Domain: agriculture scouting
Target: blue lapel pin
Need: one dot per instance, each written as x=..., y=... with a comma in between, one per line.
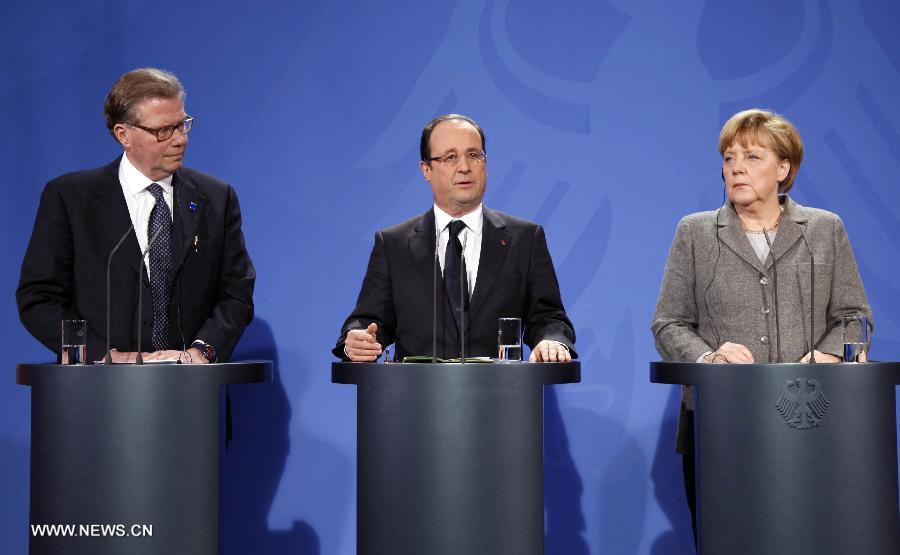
x=192, y=206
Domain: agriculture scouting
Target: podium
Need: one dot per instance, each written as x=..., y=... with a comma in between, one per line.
x=794, y=458
x=450, y=456
x=128, y=456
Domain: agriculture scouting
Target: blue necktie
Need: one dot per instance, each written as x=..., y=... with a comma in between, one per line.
x=160, y=267
x=453, y=261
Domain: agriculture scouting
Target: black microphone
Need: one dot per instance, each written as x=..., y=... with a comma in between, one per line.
x=775, y=287
x=435, y=268
x=107, y=358
x=139, y=359
x=812, y=298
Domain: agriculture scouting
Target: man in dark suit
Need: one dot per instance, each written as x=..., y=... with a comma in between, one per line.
x=506, y=267
x=197, y=276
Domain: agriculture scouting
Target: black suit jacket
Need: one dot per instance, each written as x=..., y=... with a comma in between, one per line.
x=81, y=217
x=515, y=279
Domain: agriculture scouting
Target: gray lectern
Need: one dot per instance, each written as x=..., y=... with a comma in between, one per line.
x=128, y=455
x=450, y=456
x=794, y=458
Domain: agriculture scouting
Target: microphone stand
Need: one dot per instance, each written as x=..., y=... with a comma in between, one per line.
x=435, y=268
x=775, y=287
x=139, y=358
x=463, y=295
x=107, y=358
x=812, y=299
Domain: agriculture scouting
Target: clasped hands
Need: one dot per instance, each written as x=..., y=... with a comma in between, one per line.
x=736, y=353
x=363, y=346
x=190, y=356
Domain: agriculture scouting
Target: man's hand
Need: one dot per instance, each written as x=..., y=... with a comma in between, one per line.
x=119, y=357
x=550, y=351
x=191, y=356
x=361, y=345
x=194, y=356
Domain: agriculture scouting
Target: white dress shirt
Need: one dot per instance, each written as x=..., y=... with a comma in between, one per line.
x=139, y=200
x=470, y=237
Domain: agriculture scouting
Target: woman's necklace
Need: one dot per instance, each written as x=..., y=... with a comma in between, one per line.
x=760, y=231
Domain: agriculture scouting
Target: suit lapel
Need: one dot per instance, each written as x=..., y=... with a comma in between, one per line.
x=422, y=243
x=495, y=244
x=789, y=232
x=188, y=211
x=732, y=234
x=112, y=215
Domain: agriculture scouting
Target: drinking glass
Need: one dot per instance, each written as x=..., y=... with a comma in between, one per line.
x=856, y=337
x=74, y=341
x=509, y=339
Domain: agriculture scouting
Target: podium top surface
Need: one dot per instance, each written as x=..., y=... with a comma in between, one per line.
x=700, y=373
x=513, y=373
x=246, y=371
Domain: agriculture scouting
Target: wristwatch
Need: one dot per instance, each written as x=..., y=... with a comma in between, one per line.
x=207, y=350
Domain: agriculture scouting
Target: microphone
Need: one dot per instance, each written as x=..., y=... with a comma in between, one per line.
x=812, y=298
x=775, y=287
x=139, y=359
x=107, y=358
x=435, y=268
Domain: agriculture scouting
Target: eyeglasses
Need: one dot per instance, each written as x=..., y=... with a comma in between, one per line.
x=452, y=160
x=165, y=133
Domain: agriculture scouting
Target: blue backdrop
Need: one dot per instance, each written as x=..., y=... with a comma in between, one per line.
x=602, y=119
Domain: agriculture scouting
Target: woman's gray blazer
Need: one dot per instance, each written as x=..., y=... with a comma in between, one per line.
x=715, y=289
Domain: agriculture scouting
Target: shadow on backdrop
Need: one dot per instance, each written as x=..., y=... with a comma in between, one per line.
x=614, y=481
x=563, y=488
x=622, y=488
x=668, y=485
x=14, y=496
x=255, y=459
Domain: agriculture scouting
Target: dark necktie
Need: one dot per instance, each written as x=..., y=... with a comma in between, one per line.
x=453, y=262
x=160, y=266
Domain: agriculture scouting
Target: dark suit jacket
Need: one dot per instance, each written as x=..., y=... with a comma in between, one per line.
x=81, y=217
x=515, y=279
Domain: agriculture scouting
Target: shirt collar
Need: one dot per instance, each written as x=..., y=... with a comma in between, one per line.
x=473, y=219
x=134, y=182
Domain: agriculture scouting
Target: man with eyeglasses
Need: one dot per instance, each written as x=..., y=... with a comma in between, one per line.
x=196, y=274
x=491, y=265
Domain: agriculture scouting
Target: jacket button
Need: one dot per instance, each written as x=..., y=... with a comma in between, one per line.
x=764, y=339
x=765, y=310
x=148, y=323
x=764, y=280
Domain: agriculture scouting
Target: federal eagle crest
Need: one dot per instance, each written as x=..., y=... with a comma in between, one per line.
x=802, y=403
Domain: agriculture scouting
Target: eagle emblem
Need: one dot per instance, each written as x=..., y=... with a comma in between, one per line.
x=802, y=403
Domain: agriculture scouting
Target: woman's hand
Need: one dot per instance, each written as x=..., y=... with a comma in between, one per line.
x=825, y=357
x=730, y=353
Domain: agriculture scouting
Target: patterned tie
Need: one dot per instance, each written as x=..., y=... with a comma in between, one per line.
x=160, y=266
x=452, y=263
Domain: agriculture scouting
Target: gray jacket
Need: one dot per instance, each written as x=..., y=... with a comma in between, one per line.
x=715, y=289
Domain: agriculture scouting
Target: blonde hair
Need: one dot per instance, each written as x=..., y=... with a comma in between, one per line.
x=767, y=129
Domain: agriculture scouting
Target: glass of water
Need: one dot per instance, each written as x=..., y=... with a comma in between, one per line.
x=74, y=341
x=509, y=339
x=856, y=337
